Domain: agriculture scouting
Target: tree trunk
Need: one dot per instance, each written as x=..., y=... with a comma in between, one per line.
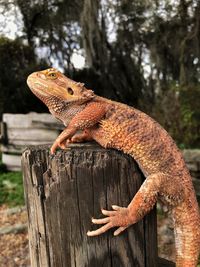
x=94, y=36
x=64, y=191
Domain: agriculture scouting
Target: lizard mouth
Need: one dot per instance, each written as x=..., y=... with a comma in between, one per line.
x=37, y=87
x=30, y=81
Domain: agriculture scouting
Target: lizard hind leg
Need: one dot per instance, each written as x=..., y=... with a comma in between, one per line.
x=142, y=203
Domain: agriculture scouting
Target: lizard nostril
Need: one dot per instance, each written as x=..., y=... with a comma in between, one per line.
x=41, y=75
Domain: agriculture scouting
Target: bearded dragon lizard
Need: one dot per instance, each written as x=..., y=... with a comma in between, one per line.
x=116, y=125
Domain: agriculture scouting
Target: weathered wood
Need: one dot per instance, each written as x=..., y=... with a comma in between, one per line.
x=12, y=162
x=27, y=120
x=63, y=192
x=13, y=149
x=20, y=130
x=32, y=134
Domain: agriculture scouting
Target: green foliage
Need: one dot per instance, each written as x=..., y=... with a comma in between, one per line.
x=177, y=110
x=190, y=115
x=11, y=189
x=17, y=62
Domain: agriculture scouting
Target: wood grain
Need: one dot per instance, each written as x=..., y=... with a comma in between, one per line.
x=63, y=193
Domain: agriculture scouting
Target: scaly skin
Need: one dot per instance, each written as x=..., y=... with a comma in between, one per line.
x=119, y=126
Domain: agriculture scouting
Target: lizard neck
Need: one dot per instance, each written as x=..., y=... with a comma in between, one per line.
x=63, y=110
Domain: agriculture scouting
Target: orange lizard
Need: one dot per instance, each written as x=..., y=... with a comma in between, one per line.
x=115, y=125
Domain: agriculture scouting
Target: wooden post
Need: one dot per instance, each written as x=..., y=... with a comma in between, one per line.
x=63, y=192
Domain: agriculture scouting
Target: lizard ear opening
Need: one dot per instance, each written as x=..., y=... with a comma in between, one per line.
x=70, y=91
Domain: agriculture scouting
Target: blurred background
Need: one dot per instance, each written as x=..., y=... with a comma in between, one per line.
x=143, y=53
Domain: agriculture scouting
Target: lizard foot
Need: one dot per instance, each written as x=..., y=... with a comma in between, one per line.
x=77, y=138
x=82, y=137
x=118, y=217
x=61, y=145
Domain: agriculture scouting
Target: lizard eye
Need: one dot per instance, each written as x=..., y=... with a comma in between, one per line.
x=70, y=91
x=52, y=75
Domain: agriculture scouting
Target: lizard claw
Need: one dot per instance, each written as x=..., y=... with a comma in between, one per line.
x=62, y=145
x=119, y=230
x=53, y=148
x=119, y=216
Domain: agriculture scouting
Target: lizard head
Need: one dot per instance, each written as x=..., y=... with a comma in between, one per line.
x=53, y=87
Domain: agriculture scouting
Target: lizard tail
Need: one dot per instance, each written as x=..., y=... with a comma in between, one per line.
x=187, y=234
x=186, y=263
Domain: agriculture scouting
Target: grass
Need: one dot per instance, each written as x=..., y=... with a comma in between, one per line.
x=11, y=187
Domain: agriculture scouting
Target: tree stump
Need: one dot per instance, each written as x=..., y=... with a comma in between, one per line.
x=64, y=191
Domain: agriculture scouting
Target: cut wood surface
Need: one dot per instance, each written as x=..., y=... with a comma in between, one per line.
x=63, y=192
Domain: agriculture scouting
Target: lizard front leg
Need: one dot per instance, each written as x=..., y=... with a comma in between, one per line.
x=66, y=134
x=85, y=119
x=141, y=204
x=77, y=138
x=82, y=137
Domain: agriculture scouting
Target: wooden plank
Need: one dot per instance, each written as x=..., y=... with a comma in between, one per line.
x=29, y=142
x=18, y=146
x=63, y=193
x=12, y=149
x=12, y=162
x=25, y=129
x=27, y=120
x=31, y=134
x=49, y=125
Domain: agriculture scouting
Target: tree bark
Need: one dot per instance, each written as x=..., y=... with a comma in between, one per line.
x=94, y=36
x=63, y=192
